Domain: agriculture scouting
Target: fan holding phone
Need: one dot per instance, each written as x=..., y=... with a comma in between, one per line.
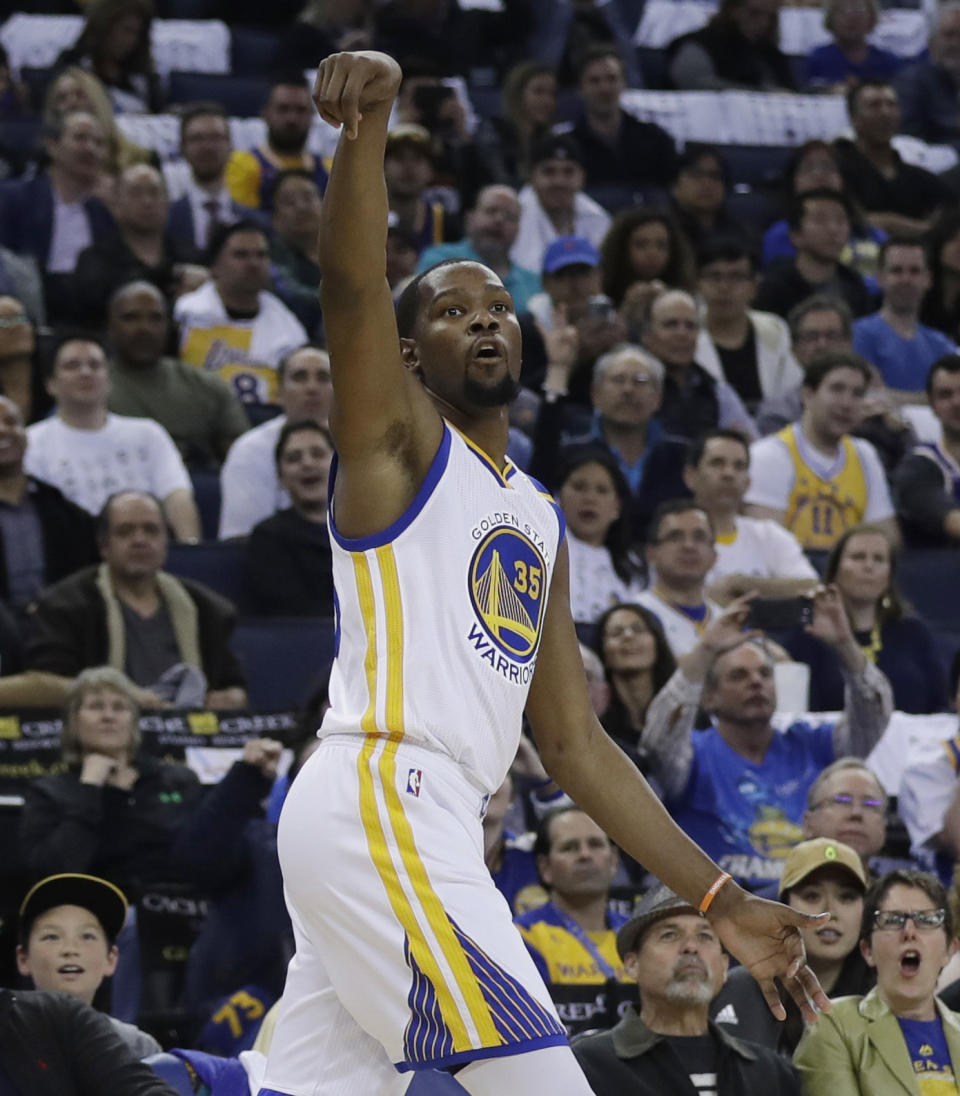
x=863, y=566
x=740, y=786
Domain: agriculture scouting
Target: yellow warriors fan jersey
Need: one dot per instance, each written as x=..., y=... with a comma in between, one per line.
x=439, y=617
x=819, y=510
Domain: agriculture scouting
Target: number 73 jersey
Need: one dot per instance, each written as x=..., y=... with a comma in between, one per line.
x=439, y=617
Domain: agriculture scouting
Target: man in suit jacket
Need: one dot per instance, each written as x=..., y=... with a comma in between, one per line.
x=205, y=145
x=55, y=215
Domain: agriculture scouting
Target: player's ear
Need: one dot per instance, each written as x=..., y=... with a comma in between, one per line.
x=410, y=356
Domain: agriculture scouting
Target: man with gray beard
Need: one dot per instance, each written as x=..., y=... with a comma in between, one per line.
x=669, y=1044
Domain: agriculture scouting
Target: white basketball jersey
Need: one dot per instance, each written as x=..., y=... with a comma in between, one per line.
x=439, y=616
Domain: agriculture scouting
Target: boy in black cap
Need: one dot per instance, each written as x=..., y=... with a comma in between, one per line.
x=68, y=928
x=553, y=204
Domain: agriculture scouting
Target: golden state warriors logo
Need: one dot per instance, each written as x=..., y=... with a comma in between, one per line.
x=507, y=581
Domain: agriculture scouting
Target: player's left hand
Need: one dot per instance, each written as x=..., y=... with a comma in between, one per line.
x=765, y=937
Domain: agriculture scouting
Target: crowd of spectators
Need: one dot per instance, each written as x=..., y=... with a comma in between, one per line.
x=746, y=403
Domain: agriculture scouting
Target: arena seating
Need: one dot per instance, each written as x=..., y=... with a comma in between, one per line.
x=281, y=657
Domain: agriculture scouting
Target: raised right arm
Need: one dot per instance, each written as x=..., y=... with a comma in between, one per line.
x=386, y=429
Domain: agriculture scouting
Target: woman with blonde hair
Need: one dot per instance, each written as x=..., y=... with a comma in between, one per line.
x=528, y=110
x=76, y=89
x=114, y=812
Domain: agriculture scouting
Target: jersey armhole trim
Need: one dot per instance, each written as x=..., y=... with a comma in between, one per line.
x=386, y=536
x=549, y=497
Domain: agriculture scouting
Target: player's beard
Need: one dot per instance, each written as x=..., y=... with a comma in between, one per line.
x=500, y=394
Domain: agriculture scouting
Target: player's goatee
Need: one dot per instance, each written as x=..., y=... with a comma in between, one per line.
x=485, y=395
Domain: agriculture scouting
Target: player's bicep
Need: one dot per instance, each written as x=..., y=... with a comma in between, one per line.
x=374, y=393
x=558, y=705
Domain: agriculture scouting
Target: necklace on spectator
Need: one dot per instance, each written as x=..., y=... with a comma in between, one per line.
x=874, y=646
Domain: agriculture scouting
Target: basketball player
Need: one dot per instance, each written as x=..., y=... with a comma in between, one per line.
x=453, y=616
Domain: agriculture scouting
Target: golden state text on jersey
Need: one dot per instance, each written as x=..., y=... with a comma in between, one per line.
x=440, y=615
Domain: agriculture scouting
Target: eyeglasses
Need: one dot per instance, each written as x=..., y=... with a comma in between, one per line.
x=867, y=803
x=13, y=319
x=894, y=920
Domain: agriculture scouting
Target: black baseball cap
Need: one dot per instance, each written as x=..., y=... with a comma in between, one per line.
x=556, y=146
x=106, y=901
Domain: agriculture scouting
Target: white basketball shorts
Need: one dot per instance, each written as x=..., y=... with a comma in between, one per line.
x=407, y=957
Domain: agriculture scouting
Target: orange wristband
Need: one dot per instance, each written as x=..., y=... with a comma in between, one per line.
x=714, y=890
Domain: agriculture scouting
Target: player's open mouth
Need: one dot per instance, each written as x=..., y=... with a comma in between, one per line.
x=488, y=349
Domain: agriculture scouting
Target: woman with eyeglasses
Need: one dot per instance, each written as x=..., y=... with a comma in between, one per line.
x=899, y=1038
x=862, y=564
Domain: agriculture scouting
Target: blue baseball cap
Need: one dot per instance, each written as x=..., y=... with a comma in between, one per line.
x=569, y=251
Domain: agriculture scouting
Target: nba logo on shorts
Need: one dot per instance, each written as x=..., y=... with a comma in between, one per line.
x=413, y=782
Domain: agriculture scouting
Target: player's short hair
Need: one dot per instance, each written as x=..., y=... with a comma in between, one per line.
x=408, y=303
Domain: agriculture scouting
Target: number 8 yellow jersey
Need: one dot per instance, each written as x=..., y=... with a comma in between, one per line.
x=439, y=616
